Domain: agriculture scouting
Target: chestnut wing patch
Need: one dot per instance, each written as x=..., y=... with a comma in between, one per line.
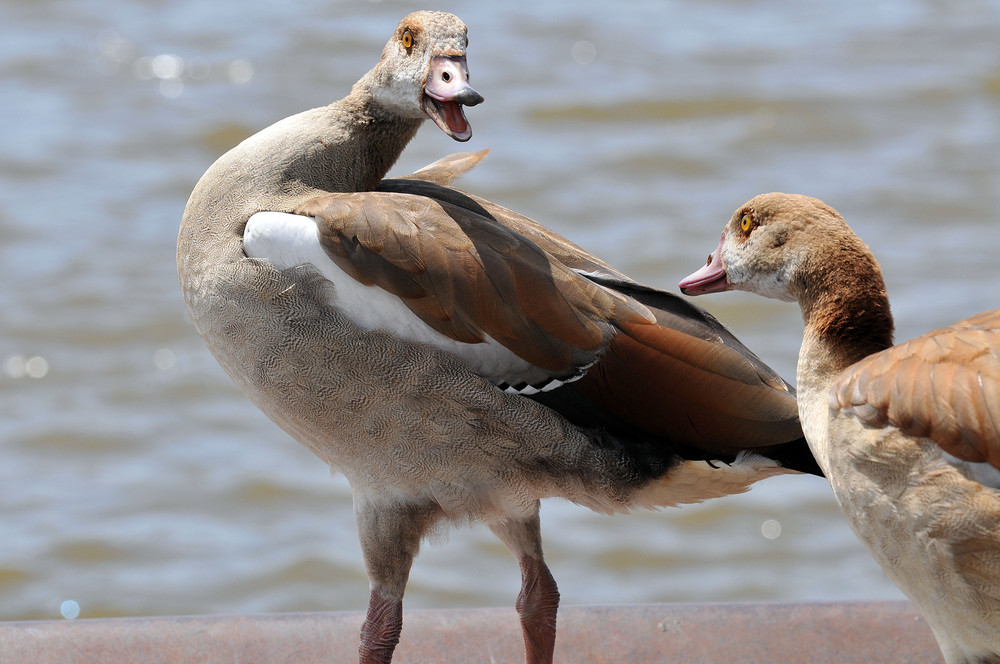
x=944, y=385
x=688, y=379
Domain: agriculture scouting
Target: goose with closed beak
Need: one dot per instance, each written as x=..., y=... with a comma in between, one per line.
x=908, y=435
x=454, y=360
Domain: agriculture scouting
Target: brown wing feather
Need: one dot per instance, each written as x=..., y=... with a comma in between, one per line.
x=693, y=386
x=944, y=385
x=566, y=252
x=466, y=275
x=447, y=169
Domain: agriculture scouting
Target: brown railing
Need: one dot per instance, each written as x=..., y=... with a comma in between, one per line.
x=841, y=633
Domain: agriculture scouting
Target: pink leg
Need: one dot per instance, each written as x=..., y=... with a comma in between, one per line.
x=390, y=538
x=537, y=605
x=380, y=633
x=538, y=600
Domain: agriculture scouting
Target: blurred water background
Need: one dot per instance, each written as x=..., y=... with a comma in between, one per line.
x=136, y=480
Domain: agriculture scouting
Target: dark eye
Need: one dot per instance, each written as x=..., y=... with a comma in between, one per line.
x=407, y=39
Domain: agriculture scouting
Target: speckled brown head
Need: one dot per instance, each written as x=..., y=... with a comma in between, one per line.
x=797, y=248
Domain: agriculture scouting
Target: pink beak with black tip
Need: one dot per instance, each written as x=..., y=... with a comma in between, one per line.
x=709, y=279
x=446, y=91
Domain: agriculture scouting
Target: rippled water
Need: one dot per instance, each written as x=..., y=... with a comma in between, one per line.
x=136, y=480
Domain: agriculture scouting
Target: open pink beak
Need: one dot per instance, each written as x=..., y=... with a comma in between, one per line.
x=446, y=91
x=709, y=279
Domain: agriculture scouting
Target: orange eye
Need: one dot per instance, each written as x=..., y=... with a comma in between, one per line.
x=746, y=223
x=407, y=40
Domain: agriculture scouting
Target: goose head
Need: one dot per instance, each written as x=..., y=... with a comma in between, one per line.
x=423, y=73
x=768, y=247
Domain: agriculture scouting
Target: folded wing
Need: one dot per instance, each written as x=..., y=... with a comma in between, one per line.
x=623, y=356
x=944, y=386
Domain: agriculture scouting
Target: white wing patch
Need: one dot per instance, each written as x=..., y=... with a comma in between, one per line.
x=290, y=240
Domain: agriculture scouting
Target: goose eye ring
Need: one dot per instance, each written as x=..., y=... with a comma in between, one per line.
x=407, y=39
x=746, y=224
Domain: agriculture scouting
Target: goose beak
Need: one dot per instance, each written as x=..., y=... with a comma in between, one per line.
x=446, y=91
x=711, y=278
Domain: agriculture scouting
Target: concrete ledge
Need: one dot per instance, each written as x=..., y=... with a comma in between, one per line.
x=840, y=633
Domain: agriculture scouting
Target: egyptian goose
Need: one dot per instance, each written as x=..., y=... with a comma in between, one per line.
x=908, y=435
x=454, y=360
